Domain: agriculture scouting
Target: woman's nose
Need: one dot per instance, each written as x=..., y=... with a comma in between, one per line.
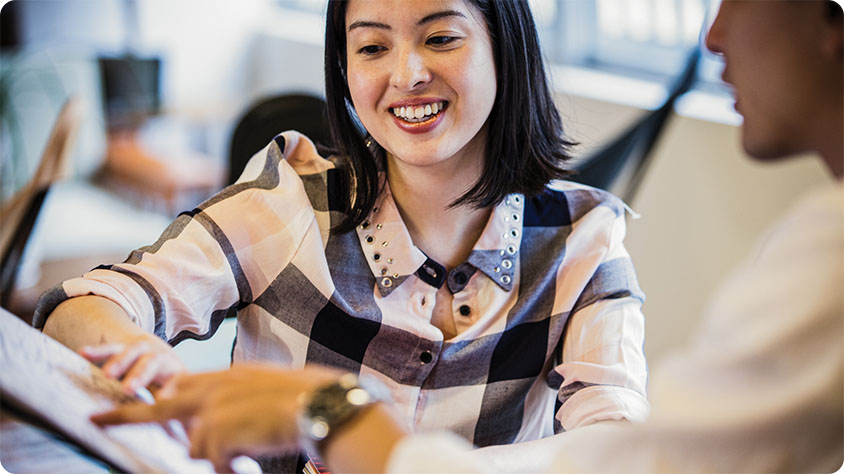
x=409, y=71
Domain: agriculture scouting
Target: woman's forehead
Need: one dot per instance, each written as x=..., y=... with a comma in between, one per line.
x=397, y=12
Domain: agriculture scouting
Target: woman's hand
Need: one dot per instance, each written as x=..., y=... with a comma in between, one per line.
x=141, y=361
x=247, y=410
x=102, y=332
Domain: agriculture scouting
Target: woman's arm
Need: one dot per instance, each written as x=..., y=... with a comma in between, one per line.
x=603, y=372
x=102, y=332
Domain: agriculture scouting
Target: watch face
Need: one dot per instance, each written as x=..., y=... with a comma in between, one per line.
x=318, y=429
x=331, y=406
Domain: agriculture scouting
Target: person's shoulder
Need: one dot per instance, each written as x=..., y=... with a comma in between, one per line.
x=817, y=209
x=812, y=229
x=824, y=200
x=565, y=202
x=301, y=154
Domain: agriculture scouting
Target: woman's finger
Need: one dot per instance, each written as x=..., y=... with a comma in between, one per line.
x=117, y=365
x=97, y=354
x=142, y=373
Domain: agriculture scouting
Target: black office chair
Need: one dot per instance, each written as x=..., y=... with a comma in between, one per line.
x=271, y=116
x=632, y=148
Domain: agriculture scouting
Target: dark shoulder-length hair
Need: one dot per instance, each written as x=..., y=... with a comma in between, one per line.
x=525, y=146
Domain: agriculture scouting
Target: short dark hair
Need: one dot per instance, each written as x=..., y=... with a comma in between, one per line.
x=525, y=145
x=834, y=9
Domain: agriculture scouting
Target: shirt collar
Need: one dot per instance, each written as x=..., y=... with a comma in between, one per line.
x=497, y=248
x=392, y=257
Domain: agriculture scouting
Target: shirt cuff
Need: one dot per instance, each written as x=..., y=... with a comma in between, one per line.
x=602, y=402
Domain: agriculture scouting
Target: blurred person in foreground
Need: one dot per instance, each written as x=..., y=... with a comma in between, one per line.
x=761, y=388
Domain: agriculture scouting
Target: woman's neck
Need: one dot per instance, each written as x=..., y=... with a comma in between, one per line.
x=423, y=196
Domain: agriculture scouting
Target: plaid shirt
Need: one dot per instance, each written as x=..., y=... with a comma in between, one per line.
x=547, y=306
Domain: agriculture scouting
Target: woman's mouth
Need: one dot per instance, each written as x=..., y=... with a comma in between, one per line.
x=419, y=113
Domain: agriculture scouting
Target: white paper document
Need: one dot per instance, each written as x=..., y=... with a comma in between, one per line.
x=42, y=377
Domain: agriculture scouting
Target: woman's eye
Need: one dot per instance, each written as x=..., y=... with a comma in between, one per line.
x=441, y=40
x=371, y=50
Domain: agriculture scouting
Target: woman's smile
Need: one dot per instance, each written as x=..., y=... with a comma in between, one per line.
x=418, y=113
x=420, y=118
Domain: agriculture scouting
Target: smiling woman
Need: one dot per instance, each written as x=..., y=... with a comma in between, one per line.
x=442, y=60
x=429, y=252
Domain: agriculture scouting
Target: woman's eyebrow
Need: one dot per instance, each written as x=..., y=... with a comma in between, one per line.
x=368, y=24
x=438, y=15
x=427, y=19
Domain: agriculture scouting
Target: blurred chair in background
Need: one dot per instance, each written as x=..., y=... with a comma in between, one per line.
x=271, y=116
x=20, y=212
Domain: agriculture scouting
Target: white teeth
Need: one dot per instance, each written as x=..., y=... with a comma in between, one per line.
x=418, y=114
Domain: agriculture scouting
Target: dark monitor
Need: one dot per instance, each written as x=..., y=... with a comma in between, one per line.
x=130, y=89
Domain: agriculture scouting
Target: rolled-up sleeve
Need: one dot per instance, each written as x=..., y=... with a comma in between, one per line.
x=603, y=372
x=210, y=260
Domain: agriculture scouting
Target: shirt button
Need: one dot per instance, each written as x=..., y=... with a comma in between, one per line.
x=426, y=357
x=465, y=310
x=460, y=278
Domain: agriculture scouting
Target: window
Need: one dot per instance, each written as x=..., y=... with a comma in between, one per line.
x=308, y=6
x=648, y=39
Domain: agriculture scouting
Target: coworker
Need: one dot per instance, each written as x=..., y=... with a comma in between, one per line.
x=431, y=254
x=761, y=387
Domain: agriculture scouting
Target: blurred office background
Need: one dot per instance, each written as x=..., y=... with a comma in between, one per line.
x=164, y=84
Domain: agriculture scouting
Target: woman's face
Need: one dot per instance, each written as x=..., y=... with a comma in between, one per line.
x=422, y=77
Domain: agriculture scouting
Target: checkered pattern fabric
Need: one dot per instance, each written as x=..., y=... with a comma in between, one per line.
x=547, y=306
